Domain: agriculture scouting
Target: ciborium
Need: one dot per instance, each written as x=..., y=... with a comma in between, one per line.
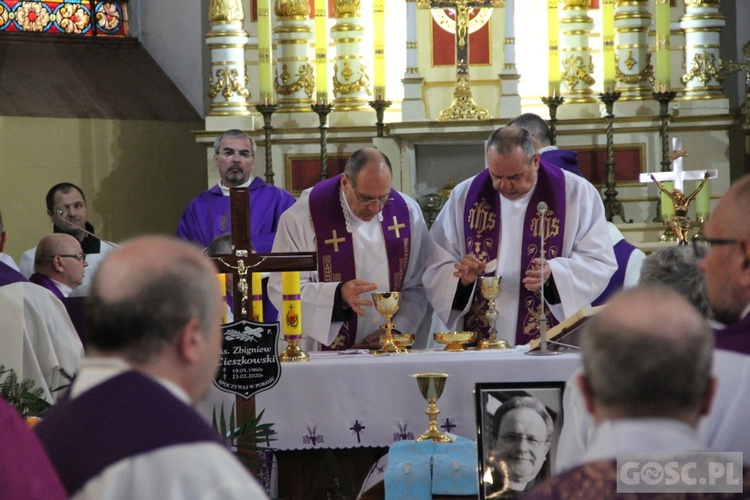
x=387, y=303
x=490, y=288
x=431, y=386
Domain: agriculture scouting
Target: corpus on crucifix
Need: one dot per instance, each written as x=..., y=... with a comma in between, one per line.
x=463, y=106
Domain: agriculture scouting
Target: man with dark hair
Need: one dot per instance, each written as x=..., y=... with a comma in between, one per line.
x=368, y=237
x=68, y=212
x=520, y=439
x=208, y=215
x=495, y=218
x=563, y=158
x=126, y=428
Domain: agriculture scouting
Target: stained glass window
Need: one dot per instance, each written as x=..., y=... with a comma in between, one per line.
x=71, y=17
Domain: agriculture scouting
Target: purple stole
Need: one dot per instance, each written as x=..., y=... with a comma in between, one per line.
x=8, y=275
x=623, y=250
x=336, y=248
x=482, y=236
x=47, y=283
x=735, y=337
x=119, y=419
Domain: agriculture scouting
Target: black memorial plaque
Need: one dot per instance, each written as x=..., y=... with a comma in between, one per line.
x=249, y=358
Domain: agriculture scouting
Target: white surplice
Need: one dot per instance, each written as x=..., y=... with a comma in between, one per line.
x=296, y=234
x=38, y=338
x=581, y=272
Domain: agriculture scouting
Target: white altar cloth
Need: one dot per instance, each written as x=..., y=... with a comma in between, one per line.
x=345, y=401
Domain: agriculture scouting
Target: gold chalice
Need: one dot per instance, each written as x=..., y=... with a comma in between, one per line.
x=455, y=340
x=431, y=386
x=386, y=303
x=490, y=288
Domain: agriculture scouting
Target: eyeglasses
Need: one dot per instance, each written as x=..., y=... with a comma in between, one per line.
x=80, y=257
x=515, y=438
x=229, y=153
x=701, y=244
x=368, y=200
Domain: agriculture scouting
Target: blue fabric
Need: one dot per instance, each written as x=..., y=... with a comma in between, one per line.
x=454, y=469
x=408, y=473
x=417, y=470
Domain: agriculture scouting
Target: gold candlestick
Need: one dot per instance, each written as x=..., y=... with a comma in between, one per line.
x=293, y=352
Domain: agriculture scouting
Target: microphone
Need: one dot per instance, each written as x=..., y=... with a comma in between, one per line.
x=541, y=208
x=73, y=224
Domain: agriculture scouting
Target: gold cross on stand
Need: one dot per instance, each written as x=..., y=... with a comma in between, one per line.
x=396, y=226
x=463, y=106
x=335, y=240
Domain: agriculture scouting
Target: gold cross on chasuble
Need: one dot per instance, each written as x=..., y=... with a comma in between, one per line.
x=335, y=240
x=396, y=226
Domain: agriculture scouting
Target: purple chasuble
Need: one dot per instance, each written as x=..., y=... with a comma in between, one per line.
x=735, y=337
x=209, y=216
x=336, y=247
x=482, y=236
x=126, y=416
x=623, y=250
x=8, y=275
x=46, y=283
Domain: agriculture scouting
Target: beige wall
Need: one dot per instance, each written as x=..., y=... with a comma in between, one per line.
x=137, y=175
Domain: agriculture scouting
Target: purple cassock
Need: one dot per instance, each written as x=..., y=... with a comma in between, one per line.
x=563, y=158
x=623, y=249
x=735, y=337
x=209, y=216
x=8, y=275
x=25, y=470
x=47, y=283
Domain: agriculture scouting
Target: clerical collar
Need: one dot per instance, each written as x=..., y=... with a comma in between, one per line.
x=350, y=218
x=547, y=148
x=225, y=190
x=64, y=289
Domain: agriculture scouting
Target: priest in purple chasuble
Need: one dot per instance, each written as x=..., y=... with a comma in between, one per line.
x=369, y=237
x=494, y=216
x=208, y=214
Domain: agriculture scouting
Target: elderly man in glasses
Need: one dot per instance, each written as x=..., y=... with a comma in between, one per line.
x=725, y=251
x=59, y=264
x=369, y=237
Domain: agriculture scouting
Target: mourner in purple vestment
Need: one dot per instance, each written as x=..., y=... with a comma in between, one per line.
x=725, y=251
x=25, y=470
x=59, y=264
x=208, y=214
x=126, y=429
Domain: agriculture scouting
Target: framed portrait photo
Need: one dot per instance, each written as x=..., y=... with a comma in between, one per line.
x=518, y=426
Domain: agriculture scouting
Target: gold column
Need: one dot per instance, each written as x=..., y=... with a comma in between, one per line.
x=702, y=23
x=294, y=78
x=227, y=79
x=351, y=80
x=634, y=71
x=575, y=55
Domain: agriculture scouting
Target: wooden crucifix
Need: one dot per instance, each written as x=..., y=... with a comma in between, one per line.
x=243, y=261
x=463, y=106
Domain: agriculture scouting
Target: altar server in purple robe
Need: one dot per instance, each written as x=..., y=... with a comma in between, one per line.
x=59, y=264
x=208, y=214
x=494, y=218
x=25, y=470
x=629, y=258
x=369, y=237
x=126, y=428
x=725, y=248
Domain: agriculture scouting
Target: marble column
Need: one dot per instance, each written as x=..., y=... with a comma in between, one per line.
x=509, y=102
x=412, y=107
x=294, y=79
x=702, y=24
x=575, y=55
x=351, y=76
x=634, y=70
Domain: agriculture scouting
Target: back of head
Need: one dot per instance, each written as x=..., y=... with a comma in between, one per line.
x=360, y=159
x=63, y=187
x=221, y=245
x=735, y=207
x=648, y=354
x=536, y=125
x=676, y=267
x=144, y=292
x=505, y=140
